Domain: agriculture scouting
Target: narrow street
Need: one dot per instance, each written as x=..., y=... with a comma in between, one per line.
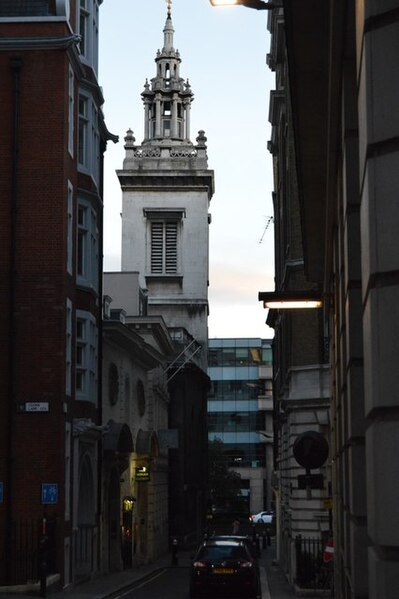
x=167, y=583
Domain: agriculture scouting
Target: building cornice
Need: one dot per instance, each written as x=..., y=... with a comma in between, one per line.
x=167, y=181
x=156, y=327
x=123, y=336
x=39, y=42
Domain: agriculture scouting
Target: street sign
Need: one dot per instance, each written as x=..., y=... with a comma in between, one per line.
x=49, y=493
x=1, y=492
x=328, y=503
x=310, y=481
x=311, y=450
x=328, y=553
x=36, y=406
x=142, y=473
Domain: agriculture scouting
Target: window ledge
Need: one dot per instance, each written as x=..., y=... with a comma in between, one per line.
x=163, y=277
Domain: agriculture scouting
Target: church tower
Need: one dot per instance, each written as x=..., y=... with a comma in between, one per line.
x=167, y=188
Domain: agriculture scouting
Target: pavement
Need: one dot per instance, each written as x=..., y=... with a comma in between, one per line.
x=115, y=586
x=278, y=586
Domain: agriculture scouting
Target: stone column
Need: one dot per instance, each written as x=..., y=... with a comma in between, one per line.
x=147, y=132
x=157, y=117
x=187, y=109
x=173, y=131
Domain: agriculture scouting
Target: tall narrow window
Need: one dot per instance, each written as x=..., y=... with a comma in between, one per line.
x=81, y=355
x=86, y=356
x=82, y=241
x=83, y=141
x=69, y=227
x=164, y=247
x=71, y=110
x=95, y=35
x=88, y=136
x=166, y=127
x=84, y=27
x=68, y=349
x=95, y=141
x=67, y=471
x=171, y=247
x=87, y=266
x=88, y=29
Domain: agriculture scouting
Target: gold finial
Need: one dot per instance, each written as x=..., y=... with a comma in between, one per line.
x=169, y=3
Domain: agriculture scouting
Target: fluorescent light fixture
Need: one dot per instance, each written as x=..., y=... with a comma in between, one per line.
x=292, y=305
x=257, y=4
x=290, y=300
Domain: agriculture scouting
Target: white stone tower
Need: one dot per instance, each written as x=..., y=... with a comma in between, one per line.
x=167, y=188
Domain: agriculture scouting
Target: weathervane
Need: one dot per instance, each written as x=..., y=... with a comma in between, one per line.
x=169, y=3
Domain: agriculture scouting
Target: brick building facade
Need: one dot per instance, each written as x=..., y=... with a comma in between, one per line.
x=51, y=147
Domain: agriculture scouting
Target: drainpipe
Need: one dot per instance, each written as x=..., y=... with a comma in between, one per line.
x=16, y=65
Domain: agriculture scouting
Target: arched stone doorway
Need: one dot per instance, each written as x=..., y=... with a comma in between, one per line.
x=147, y=451
x=117, y=447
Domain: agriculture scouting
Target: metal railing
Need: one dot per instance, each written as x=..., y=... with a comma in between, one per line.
x=311, y=570
x=26, y=545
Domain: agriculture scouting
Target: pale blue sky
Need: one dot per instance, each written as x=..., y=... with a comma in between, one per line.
x=223, y=55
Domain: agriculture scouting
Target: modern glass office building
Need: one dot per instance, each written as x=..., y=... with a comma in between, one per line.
x=240, y=408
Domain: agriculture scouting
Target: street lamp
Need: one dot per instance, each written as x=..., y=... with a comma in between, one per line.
x=257, y=4
x=288, y=300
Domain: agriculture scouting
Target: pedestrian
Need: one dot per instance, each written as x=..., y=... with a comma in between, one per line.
x=174, y=552
x=236, y=527
x=268, y=535
x=255, y=541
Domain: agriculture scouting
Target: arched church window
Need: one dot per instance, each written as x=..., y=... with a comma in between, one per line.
x=113, y=384
x=166, y=128
x=140, y=397
x=127, y=399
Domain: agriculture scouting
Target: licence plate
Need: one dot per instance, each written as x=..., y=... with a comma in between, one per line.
x=223, y=571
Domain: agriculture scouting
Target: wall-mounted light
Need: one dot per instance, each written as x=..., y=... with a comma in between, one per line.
x=257, y=4
x=290, y=300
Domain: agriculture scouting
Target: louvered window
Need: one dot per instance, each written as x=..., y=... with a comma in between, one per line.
x=164, y=247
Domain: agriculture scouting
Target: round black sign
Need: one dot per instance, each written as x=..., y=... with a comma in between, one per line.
x=310, y=450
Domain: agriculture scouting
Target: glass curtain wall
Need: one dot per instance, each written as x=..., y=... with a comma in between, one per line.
x=234, y=416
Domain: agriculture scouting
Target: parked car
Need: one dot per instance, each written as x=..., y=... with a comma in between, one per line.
x=262, y=517
x=224, y=566
x=248, y=541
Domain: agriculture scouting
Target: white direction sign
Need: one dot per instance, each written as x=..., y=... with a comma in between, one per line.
x=36, y=406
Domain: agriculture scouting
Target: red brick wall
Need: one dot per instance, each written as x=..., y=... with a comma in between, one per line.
x=41, y=280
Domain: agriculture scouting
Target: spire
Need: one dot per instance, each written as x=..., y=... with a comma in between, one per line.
x=168, y=30
x=167, y=99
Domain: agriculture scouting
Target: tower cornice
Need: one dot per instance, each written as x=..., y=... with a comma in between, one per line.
x=167, y=181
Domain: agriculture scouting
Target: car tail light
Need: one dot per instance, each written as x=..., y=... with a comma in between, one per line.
x=246, y=564
x=200, y=565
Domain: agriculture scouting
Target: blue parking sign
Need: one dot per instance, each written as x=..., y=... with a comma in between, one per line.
x=49, y=493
